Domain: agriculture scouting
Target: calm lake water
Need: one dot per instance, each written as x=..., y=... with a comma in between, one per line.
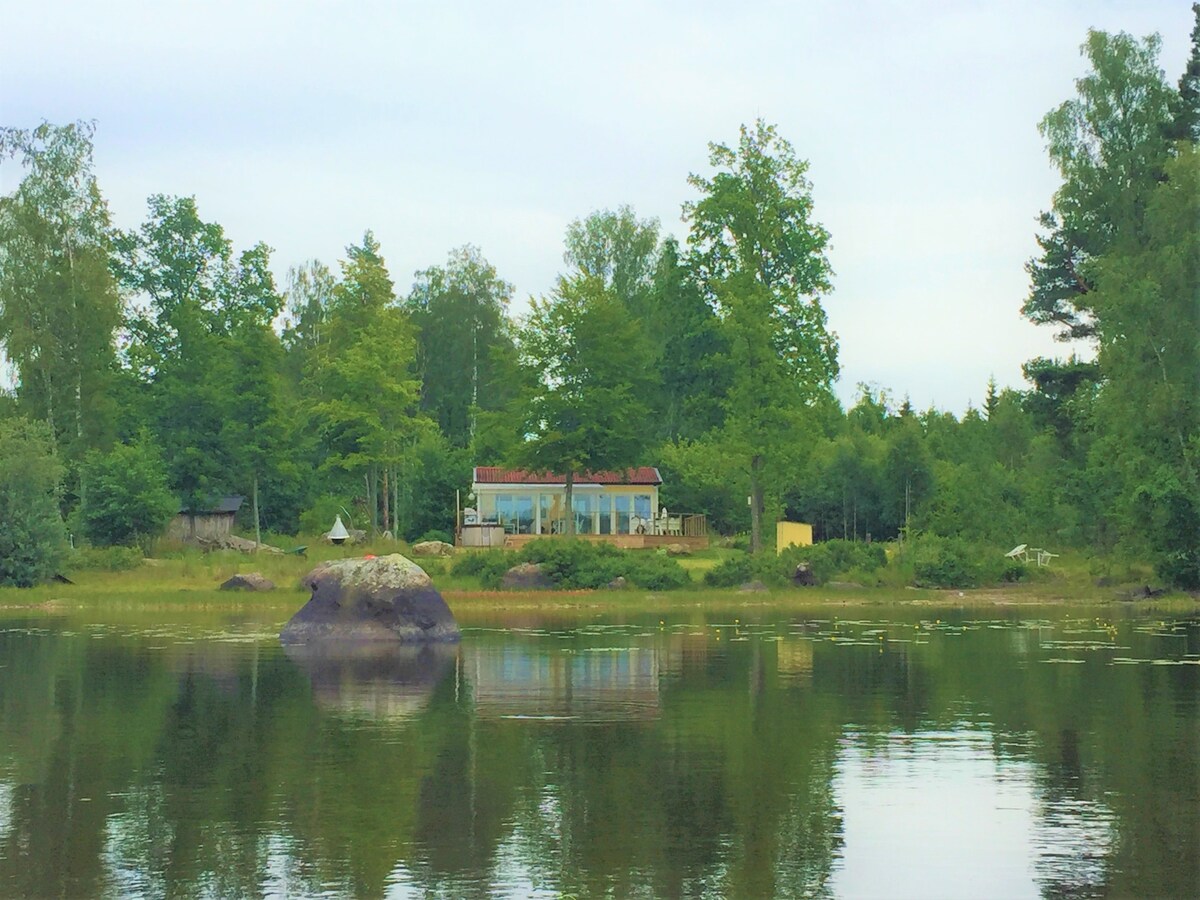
x=913, y=756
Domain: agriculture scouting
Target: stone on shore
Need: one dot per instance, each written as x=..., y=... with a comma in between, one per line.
x=385, y=598
x=250, y=581
x=433, y=548
x=526, y=577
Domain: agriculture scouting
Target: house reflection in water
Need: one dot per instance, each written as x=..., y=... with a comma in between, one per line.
x=594, y=685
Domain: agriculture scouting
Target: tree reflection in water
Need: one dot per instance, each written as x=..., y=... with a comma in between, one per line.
x=771, y=760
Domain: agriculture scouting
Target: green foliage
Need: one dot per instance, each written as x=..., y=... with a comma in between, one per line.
x=434, y=535
x=577, y=564
x=827, y=560
x=59, y=306
x=1109, y=143
x=362, y=381
x=426, y=480
x=127, y=502
x=465, y=353
x=760, y=259
x=655, y=571
x=697, y=477
x=589, y=359
x=734, y=571
x=33, y=538
x=320, y=516
x=946, y=563
x=488, y=566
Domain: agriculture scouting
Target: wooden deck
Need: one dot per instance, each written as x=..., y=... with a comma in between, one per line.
x=624, y=541
x=688, y=530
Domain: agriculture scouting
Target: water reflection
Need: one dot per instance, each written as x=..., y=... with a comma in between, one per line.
x=698, y=758
x=374, y=680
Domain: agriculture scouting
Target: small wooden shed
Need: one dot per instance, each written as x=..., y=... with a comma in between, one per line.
x=205, y=524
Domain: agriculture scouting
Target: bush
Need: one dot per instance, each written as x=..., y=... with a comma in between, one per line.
x=731, y=572
x=107, y=559
x=826, y=560
x=127, y=501
x=1181, y=569
x=584, y=564
x=488, y=566
x=575, y=564
x=33, y=538
x=655, y=572
x=945, y=563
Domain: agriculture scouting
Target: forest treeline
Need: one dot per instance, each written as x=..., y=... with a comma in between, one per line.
x=160, y=365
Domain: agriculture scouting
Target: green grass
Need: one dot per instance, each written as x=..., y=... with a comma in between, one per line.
x=186, y=580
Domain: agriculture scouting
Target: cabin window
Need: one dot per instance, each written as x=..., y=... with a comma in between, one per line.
x=623, y=507
x=604, y=513
x=523, y=514
x=641, y=522
x=583, y=506
x=505, y=508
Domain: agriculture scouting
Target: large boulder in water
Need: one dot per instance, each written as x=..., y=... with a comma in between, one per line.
x=384, y=598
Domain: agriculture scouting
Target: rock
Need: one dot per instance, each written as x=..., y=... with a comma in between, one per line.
x=384, y=598
x=618, y=583
x=803, y=576
x=845, y=585
x=1145, y=592
x=526, y=577
x=251, y=581
x=752, y=587
x=433, y=548
x=678, y=550
x=233, y=542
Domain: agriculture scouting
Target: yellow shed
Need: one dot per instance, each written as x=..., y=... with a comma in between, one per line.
x=788, y=534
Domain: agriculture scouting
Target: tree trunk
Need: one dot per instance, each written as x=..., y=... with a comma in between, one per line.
x=387, y=497
x=395, y=505
x=756, y=504
x=568, y=494
x=257, y=523
x=372, y=480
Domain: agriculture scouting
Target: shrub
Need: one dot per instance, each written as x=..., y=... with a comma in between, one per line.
x=825, y=560
x=488, y=566
x=1181, y=568
x=655, y=572
x=731, y=572
x=33, y=542
x=584, y=564
x=127, y=500
x=575, y=564
x=945, y=563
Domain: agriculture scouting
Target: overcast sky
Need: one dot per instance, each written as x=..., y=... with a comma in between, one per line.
x=439, y=124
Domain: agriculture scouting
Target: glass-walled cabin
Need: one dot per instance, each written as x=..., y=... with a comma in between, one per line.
x=540, y=508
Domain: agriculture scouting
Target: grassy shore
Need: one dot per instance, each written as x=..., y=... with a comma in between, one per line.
x=185, y=583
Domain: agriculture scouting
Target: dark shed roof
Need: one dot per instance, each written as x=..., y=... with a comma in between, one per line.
x=224, y=505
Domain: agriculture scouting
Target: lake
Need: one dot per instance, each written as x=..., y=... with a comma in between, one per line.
x=889, y=752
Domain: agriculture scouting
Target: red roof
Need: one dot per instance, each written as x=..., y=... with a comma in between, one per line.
x=497, y=475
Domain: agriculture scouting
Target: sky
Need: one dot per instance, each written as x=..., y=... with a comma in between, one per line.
x=302, y=124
